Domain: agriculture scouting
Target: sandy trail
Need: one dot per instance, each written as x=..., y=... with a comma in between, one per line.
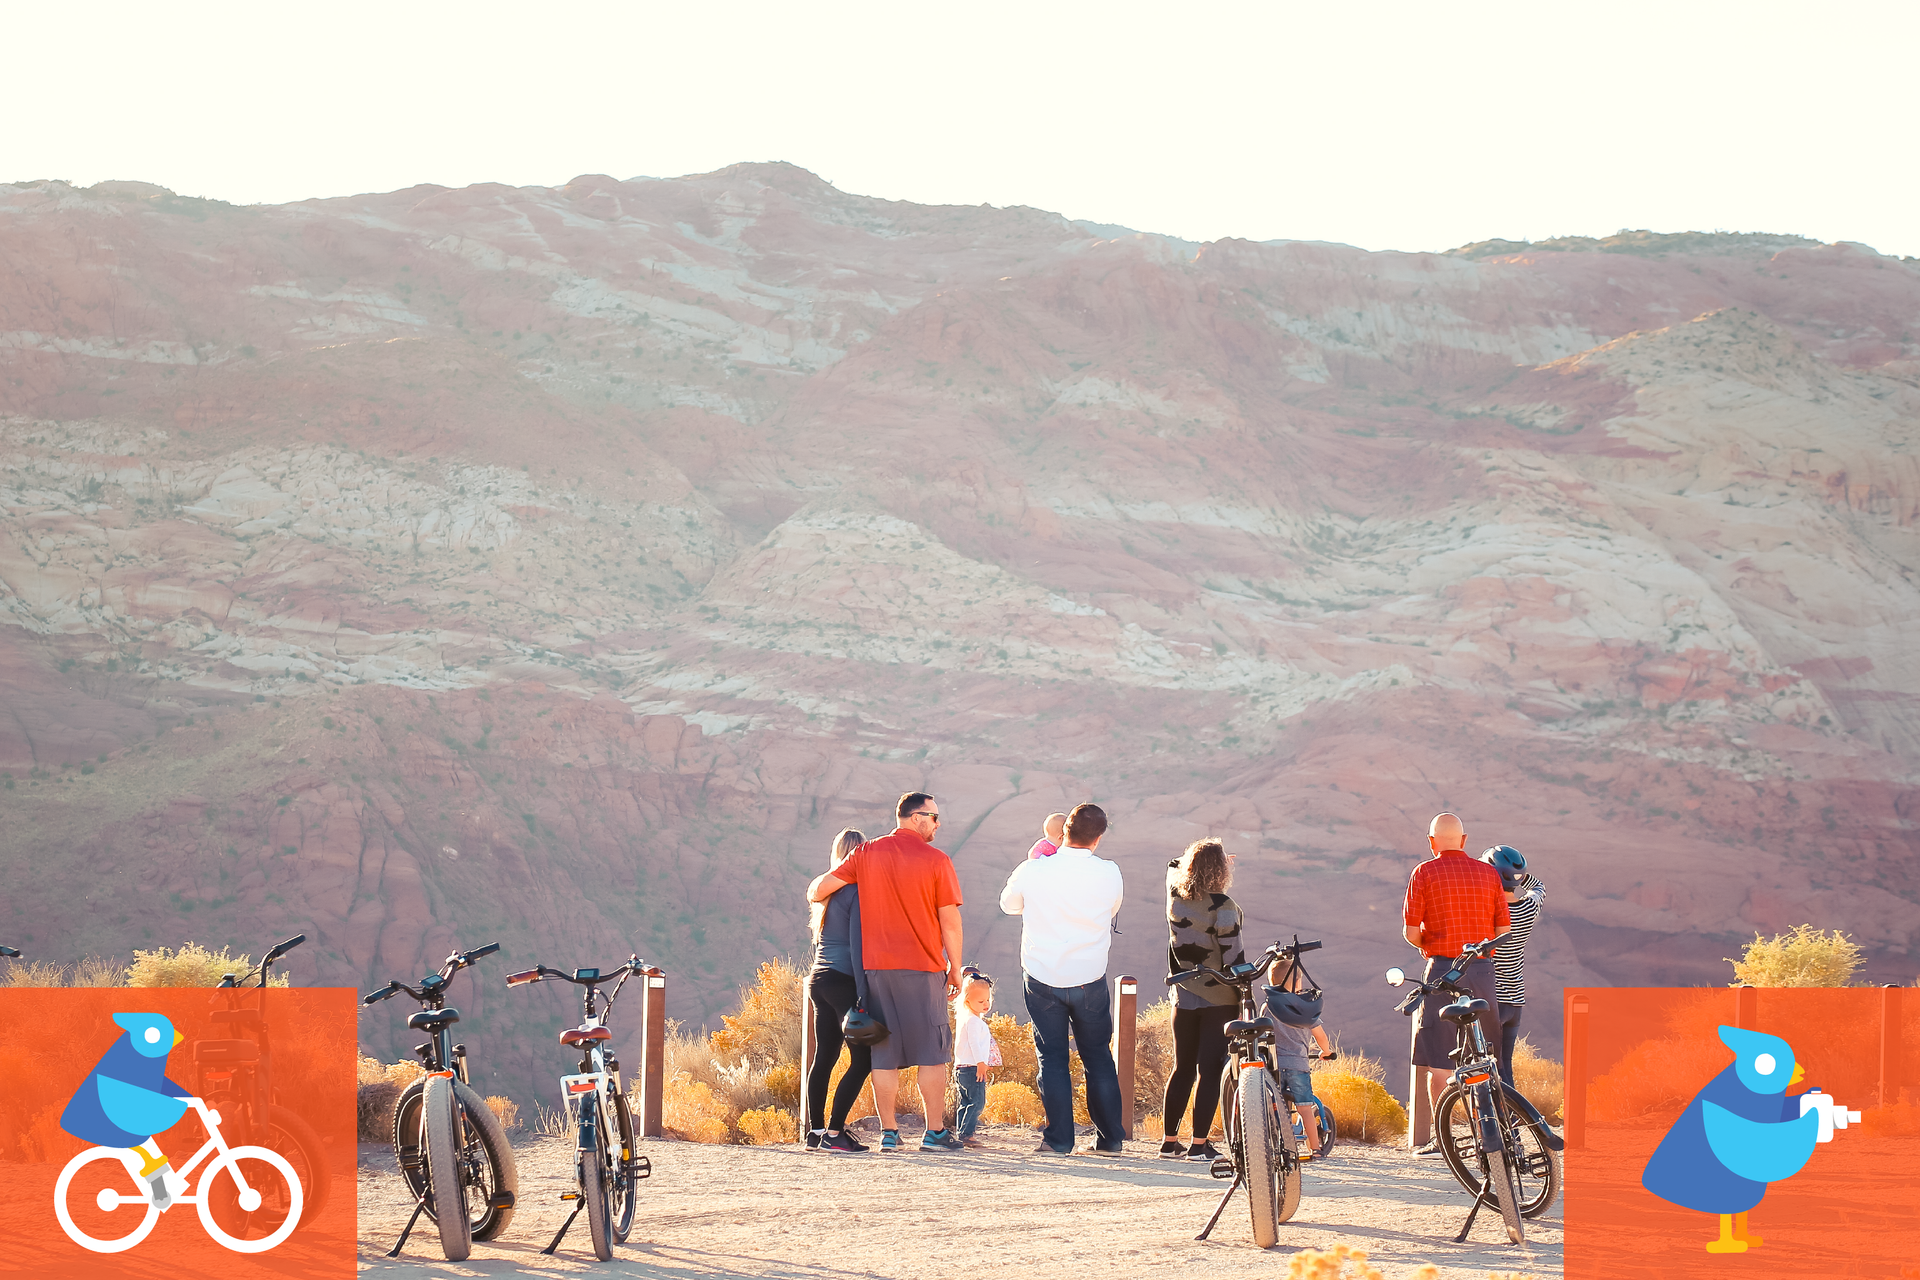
x=778, y=1213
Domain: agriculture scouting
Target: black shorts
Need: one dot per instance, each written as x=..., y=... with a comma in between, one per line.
x=1434, y=1037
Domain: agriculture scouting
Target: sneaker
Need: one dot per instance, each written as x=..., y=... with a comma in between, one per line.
x=940, y=1140
x=1431, y=1149
x=889, y=1140
x=1098, y=1150
x=973, y=1144
x=1045, y=1150
x=1204, y=1152
x=1172, y=1150
x=841, y=1143
x=813, y=1138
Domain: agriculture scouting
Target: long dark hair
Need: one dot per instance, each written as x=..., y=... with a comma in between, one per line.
x=1202, y=869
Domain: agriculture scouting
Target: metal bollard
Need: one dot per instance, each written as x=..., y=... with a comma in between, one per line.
x=1576, y=1074
x=1889, y=1046
x=1126, y=1027
x=653, y=1057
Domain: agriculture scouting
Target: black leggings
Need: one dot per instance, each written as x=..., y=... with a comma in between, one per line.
x=1199, y=1047
x=833, y=994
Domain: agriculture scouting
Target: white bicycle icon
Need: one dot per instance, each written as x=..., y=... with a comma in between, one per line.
x=249, y=1199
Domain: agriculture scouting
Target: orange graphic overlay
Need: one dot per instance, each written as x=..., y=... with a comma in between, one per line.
x=1636, y=1057
x=275, y=1066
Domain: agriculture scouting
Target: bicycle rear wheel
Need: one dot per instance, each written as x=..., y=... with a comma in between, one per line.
x=290, y=1135
x=625, y=1185
x=594, y=1187
x=446, y=1193
x=1257, y=1120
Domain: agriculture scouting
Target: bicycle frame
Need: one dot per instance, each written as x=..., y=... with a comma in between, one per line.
x=216, y=1143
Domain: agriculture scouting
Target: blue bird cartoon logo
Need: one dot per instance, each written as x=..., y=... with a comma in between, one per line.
x=1739, y=1134
x=126, y=1099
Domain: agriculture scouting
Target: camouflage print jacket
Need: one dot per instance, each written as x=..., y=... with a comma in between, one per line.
x=1201, y=931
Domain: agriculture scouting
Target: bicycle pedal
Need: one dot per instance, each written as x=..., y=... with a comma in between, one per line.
x=569, y=1195
x=1222, y=1168
x=500, y=1200
x=640, y=1167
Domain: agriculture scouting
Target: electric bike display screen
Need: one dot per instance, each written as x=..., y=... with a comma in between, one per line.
x=579, y=974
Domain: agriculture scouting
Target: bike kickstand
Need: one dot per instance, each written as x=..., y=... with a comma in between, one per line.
x=579, y=1203
x=419, y=1207
x=1479, y=1201
x=1219, y=1209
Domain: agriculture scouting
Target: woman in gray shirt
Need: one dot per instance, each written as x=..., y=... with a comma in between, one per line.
x=1203, y=928
x=836, y=954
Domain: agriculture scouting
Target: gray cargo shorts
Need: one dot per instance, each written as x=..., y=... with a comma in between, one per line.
x=913, y=1004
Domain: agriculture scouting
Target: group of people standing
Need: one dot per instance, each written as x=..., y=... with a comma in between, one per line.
x=890, y=941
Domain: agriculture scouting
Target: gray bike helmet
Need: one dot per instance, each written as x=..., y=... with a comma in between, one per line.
x=1295, y=1008
x=1508, y=861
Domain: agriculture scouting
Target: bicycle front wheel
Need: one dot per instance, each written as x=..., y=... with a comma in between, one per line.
x=446, y=1193
x=486, y=1161
x=293, y=1137
x=1256, y=1114
x=1532, y=1165
x=250, y=1199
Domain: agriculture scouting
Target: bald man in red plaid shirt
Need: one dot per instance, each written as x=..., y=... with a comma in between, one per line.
x=1453, y=901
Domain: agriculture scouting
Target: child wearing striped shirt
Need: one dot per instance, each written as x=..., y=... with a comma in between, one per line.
x=1525, y=893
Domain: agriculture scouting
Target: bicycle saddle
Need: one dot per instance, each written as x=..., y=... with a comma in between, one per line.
x=1464, y=1011
x=1240, y=1026
x=431, y=1020
x=579, y=1035
x=210, y=1051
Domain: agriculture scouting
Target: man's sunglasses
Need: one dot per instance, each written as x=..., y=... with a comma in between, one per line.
x=926, y=813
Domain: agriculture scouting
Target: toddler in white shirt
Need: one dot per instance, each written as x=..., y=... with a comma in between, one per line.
x=973, y=1052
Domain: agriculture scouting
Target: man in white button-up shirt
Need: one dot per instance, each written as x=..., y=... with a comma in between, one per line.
x=1067, y=904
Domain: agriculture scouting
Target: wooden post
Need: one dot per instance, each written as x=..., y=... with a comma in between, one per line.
x=809, y=1047
x=653, y=1059
x=1419, y=1109
x=1576, y=1072
x=1746, y=1006
x=1889, y=1046
x=1126, y=1026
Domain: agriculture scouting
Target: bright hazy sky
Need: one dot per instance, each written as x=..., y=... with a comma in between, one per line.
x=1388, y=125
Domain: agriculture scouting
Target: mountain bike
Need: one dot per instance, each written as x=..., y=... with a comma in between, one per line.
x=235, y=1075
x=1495, y=1142
x=255, y=1207
x=452, y=1151
x=607, y=1169
x=1257, y=1117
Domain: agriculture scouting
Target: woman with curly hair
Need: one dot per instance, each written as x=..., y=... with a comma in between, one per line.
x=1203, y=928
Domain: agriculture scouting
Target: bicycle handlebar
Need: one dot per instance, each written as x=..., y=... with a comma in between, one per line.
x=452, y=965
x=9, y=952
x=540, y=973
x=1253, y=969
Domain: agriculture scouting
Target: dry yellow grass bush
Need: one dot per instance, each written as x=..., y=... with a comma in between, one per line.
x=1806, y=957
x=373, y=1071
x=1342, y=1262
x=1655, y=1078
x=506, y=1110
x=766, y=1030
x=783, y=1082
x=1540, y=1079
x=1011, y=1102
x=693, y=1110
x=769, y=1126
x=36, y=973
x=1363, y=1110
x=189, y=966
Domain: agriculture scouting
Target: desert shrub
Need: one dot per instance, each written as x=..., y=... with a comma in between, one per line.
x=189, y=966
x=1333, y=1264
x=36, y=973
x=1363, y=1110
x=1655, y=1078
x=1806, y=957
x=373, y=1071
x=766, y=1030
x=552, y=1122
x=1020, y=1062
x=783, y=1082
x=1153, y=1057
x=1540, y=1079
x=98, y=971
x=768, y=1127
x=373, y=1109
x=1011, y=1102
x=506, y=1110
x=694, y=1110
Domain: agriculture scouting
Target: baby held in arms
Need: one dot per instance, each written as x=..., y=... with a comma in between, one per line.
x=1052, y=832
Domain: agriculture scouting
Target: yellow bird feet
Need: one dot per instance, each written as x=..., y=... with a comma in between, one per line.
x=1740, y=1232
x=1727, y=1243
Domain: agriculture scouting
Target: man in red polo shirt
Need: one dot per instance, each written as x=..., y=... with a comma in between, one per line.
x=1453, y=901
x=910, y=949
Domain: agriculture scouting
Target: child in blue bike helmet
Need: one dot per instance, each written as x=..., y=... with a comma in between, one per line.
x=1294, y=1003
x=1525, y=893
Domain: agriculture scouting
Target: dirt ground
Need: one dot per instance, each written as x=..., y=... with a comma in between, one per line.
x=779, y=1213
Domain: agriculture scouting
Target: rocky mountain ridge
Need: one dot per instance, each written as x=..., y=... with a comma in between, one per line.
x=568, y=565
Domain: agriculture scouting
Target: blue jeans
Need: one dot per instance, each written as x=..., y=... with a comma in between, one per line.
x=1509, y=1032
x=1297, y=1086
x=1088, y=1011
x=973, y=1100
